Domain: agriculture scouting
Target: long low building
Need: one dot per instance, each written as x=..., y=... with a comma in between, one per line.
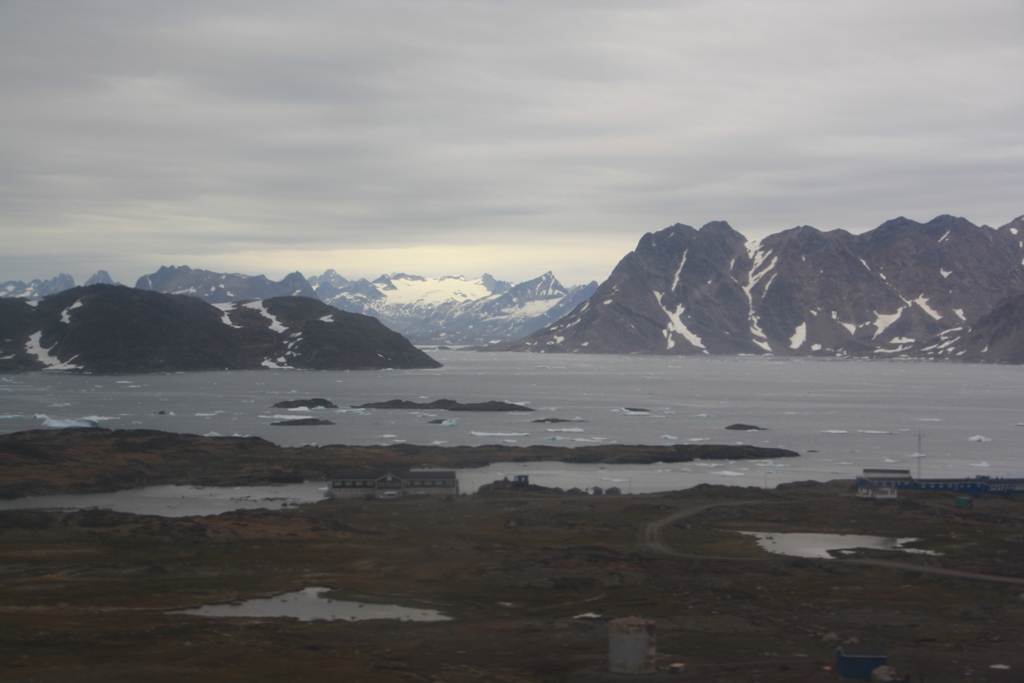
x=873, y=480
x=395, y=484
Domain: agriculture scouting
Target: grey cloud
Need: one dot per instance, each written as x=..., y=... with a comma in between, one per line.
x=152, y=131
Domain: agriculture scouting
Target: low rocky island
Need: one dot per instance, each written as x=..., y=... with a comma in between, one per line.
x=301, y=422
x=311, y=403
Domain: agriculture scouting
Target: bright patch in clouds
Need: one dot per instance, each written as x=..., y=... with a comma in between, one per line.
x=511, y=138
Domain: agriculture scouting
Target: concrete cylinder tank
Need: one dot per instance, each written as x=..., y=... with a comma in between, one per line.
x=631, y=646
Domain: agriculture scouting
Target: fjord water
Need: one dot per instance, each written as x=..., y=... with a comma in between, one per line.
x=840, y=415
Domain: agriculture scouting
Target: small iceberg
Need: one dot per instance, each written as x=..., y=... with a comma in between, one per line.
x=834, y=431
x=499, y=433
x=978, y=438
x=82, y=422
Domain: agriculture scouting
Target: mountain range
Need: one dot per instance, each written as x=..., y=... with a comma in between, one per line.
x=942, y=289
x=902, y=289
x=434, y=310
x=454, y=310
x=114, y=329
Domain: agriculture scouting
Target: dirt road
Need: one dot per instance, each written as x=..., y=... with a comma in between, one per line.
x=650, y=539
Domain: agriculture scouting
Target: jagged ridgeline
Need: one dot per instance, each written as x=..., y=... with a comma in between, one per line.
x=902, y=289
x=105, y=328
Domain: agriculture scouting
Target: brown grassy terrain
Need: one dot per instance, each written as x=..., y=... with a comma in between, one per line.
x=85, y=596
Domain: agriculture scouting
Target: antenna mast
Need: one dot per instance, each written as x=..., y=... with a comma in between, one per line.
x=920, y=455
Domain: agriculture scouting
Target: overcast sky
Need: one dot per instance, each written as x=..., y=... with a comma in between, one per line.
x=444, y=137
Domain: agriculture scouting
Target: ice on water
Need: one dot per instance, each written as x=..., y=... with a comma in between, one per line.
x=841, y=415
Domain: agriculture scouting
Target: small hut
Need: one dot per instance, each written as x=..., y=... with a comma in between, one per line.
x=858, y=661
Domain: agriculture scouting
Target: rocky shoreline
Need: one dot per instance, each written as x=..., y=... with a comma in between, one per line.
x=43, y=462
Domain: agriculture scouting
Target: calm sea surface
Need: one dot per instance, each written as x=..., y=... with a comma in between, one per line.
x=840, y=415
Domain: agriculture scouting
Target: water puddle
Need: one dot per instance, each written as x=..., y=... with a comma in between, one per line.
x=828, y=546
x=312, y=604
x=180, y=501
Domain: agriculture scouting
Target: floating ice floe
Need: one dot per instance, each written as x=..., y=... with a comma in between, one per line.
x=697, y=439
x=979, y=464
x=634, y=413
x=978, y=438
x=729, y=473
x=871, y=431
x=669, y=437
x=704, y=416
x=572, y=430
x=499, y=433
x=12, y=417
x=834, y=431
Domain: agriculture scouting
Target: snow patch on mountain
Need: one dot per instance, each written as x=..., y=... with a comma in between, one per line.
x=677, y=326
x=35, y=348
x=884, y=320
x=275, y=324
x=923, y=303
x=799, y=336
x=65, y=315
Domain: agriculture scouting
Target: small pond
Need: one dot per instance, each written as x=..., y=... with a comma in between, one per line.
x=180, y=501
x=310, y=604
x=826, y=545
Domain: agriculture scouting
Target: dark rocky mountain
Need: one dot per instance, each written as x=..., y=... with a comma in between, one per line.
x=218, y=288
x=904, y=288
x=997, y=337
x=104, y=328
x=101, y=277
x=36, y=289
x=453, y=310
